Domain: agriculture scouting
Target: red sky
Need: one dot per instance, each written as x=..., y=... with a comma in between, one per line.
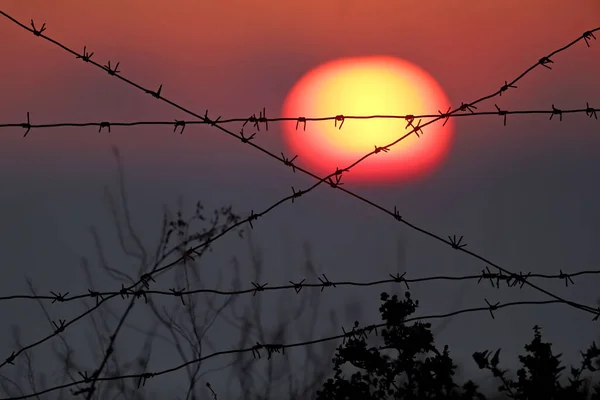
x=235, y=57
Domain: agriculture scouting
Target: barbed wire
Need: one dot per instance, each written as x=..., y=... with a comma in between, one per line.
x=588, y=110
x=324, y=282
x=335, y=183
x=273, y=348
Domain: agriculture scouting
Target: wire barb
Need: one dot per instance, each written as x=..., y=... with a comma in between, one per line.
x=251, y=218
x=26, y=125
x=409, y=120
x=177, y=124
x=258, y=287
x=297, y=194
x=85, y=377
x=209, y=121
x=567, y=278
x=178, y=293
x=379, y=149
x=143, y=377
x=297, y=286
x=418, y=129
x=520, y=279
x=505, y=87
x=111, y=71
x=303, y=120
x=397, y=215
x=104, y=124
x=589, y=111
x=85, y=56
x=445, y=115
x=262, y=117
x=467, y=106
x=339, y=118
x=94, y=294
x=325, y=282
x=145, y=280
x=501, y=113
x=492, y=307
x=544, y=61
x=37, y=32
x=556, y=111
x=337, y=175
x=60, y=327
x=255, y=350
x=400, y=278
x=124, y=292
x=456, y=244
x=58, y=297
x=289, y=162
x=10, y=359
x=155, y=94
x=587, y=35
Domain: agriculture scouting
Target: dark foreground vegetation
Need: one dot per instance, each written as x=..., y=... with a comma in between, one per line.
x=409, y=366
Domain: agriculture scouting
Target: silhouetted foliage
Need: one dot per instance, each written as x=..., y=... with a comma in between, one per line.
x=409, y=366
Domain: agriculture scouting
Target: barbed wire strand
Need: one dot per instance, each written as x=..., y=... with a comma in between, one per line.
x=324, y=282
x=272, y=348
x=589, y=111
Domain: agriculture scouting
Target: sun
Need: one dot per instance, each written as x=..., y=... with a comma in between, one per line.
x=360, y=86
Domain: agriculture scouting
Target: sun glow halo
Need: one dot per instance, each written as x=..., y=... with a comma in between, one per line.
x=375, y=85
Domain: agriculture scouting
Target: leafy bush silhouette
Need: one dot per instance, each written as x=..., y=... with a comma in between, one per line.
x=418, y=370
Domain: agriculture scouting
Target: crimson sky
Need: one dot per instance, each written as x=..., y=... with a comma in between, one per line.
x=233, y=58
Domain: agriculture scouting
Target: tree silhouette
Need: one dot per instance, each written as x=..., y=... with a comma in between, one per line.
x=181, y=325
x=398, y=370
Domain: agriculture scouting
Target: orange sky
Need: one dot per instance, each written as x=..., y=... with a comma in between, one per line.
x=237, y=56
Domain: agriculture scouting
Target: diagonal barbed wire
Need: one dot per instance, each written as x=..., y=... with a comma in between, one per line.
x=452, y=241
x=324, y=282
x=588, y=110
x=274, y=348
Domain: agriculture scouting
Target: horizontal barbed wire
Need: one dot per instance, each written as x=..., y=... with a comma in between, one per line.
x=589, y=111
x=324, y=282
x=272, y=348
x=451, y=241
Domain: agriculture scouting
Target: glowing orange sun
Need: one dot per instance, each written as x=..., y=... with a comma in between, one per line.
x=375, y=85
